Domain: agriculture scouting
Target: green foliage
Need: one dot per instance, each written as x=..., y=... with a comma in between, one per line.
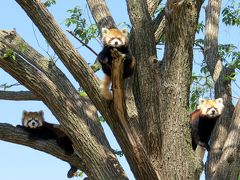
x=21, y=45
x=200, y=27
x=231, y=14
x=82, y=93
x=81, y=174
x=9, y=53
x=231, y=77
x=225, y=51
x=48, y=3
x=235, y=63
x=81, y=29
x=201, y=85
x=231, y=56
x=96, y=66
x=101, y=119
x=118, y=152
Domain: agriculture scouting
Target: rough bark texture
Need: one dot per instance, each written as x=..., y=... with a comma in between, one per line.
x=175, y=73
x=228, y=165
x=222, y=87
x=150, y=119
x=12, y=134
x=78, y=118
x=18, y=96
x=145, y=169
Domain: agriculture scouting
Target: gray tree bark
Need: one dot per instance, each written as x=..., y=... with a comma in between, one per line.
x=149, y=114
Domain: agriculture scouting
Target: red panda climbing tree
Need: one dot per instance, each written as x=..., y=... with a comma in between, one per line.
x=149, y=116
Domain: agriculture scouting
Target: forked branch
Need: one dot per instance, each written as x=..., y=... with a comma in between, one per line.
x=136, y=147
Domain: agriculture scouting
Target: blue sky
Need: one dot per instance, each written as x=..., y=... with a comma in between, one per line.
x=20, y=162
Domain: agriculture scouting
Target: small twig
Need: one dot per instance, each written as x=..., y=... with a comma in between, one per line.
x=94, y=52
x=5, y=86
x=235, y=97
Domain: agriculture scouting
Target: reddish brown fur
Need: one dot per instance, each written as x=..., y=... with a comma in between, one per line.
x=201, y=129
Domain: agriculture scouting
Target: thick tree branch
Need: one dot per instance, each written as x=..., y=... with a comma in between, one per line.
x=15, y=135
x=159, y=26
x=136, y=147
x=222, y=87
x=152, y=6
x=142, y=28
x=228, y=166
x=80, y=70
x=18, y=96
x=13, y=41
x=73, y=118
x=67, y=53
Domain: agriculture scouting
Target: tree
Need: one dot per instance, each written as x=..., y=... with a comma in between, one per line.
x=149, y=114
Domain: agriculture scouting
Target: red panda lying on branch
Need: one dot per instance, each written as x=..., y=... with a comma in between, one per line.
x=39, y=129
x=203, y=120
x=118, y=39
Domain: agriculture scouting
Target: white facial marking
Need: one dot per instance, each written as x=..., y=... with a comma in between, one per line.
x=116, y=43
x=33, y=123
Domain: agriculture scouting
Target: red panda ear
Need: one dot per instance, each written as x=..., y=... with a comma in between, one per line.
x=104, y=31
x=219, y=100
x=125, y=32
x=201, y=101
x=24, y=113
x=41, y=113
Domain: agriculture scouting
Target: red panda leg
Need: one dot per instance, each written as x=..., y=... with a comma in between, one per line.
x=104, y=88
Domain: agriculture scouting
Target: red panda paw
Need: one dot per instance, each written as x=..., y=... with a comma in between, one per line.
x=105, y=92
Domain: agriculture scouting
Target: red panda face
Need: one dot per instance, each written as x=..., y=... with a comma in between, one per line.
x=115, y=37
x=32, y=119
x=211, y=108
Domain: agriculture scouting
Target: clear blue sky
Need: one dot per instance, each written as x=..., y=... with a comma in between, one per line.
x=23, y=163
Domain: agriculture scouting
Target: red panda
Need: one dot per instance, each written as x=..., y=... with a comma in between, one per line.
x=203, y=120
x=39, y=129
x=118, y=39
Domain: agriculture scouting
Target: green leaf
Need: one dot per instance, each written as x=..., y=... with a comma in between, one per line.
x=101, y=119
x=231, y=14
x=48, y=3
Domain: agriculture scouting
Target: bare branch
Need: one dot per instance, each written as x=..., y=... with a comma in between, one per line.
x=159, y=26
x=70, y=32
x=15, y=135
x=211, y=35
x=73, y=117
x=101, y=13
x=5, y=86
x=152, y=5
x=18, y=96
